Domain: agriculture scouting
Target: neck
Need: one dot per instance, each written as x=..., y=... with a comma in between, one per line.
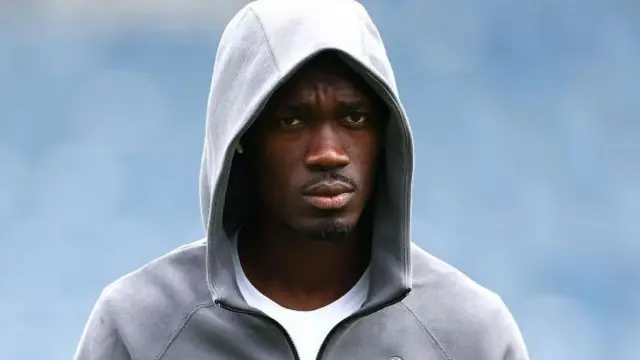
x=298, y=272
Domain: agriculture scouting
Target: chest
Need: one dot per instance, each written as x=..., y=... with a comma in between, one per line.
x=308, y=331
x=390, y=334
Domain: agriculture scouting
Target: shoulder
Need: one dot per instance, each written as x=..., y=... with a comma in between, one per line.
x=435, y=280
x=462, y=316
x=173, y=278
x=149, y=304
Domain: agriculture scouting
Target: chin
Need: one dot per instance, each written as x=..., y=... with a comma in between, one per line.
x=327, y=229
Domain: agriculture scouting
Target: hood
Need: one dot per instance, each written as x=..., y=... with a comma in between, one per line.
x=261, y=47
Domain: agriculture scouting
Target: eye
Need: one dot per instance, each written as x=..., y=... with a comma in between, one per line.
x=356, y=118
x=291, y=121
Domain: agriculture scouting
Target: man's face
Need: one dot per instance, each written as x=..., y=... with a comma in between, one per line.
x=314, y=150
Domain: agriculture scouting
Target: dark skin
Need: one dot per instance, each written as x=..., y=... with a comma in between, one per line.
x=315, y=149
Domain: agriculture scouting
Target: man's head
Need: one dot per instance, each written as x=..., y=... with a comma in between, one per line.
x=314, y=150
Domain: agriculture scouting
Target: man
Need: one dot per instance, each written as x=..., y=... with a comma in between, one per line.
x=305, y=187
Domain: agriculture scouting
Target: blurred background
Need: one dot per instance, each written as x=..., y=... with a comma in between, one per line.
x=527, y=129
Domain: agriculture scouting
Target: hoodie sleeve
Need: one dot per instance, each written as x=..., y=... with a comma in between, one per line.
x=101, y=339
x=515, y=346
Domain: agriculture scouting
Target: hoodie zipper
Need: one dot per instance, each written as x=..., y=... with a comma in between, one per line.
x=325, y=343
x=292, y=346
x=354, y=317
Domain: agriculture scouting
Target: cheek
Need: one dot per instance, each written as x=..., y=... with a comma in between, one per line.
x=278, y=167
x=366, y=152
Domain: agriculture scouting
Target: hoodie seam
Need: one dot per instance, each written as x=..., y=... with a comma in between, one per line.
x=215, y=197
x=266, y=39
x=430, y=332
x=184, y=323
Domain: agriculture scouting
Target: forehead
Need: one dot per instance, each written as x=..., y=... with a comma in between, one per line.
x=325, y=72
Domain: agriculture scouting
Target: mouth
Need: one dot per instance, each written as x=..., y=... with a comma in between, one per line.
x=324, y=202
x=329, y=195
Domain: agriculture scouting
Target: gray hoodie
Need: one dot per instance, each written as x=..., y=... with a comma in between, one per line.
x=186, y=305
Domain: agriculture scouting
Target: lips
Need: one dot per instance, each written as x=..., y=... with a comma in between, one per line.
x=328, y=195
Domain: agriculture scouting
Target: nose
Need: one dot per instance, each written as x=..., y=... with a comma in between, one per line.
x=326, y=151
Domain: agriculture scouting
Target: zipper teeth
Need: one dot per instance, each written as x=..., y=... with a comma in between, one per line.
x=354, y=317
x=292, y=346
x=323, y=347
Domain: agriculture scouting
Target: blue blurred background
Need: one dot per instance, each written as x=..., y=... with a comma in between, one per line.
x=527, y=132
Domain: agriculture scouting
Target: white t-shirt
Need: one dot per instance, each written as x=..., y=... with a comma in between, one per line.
x=307, y=329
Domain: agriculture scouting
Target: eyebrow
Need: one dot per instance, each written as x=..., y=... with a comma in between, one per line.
x=341, y=106
x=352, y=105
